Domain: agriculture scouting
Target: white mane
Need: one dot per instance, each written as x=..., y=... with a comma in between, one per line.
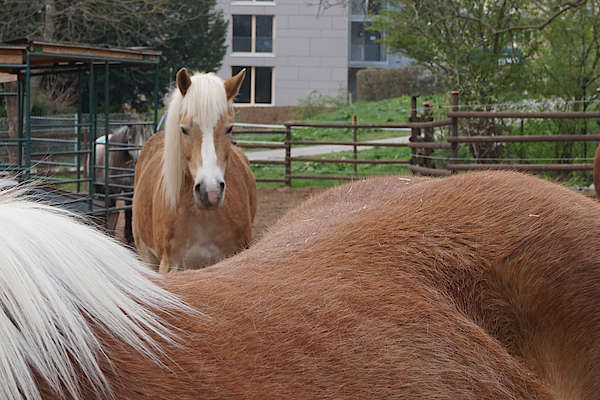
x=56, y=275
x=205, y=103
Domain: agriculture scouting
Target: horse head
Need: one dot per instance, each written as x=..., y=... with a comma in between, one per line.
x=137, y=136
x=198, y=136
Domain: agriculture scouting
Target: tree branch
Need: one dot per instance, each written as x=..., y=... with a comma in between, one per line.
x=564, y=7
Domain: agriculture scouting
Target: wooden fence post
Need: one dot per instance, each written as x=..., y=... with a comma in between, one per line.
x=427, y=133
x=354, y=147
x=288, y=155
x=454, y=126
x=598, y=123
x=414, y=132
x=598, y=120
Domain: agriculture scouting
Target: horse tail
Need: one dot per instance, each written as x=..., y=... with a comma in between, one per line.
x=61, y=282
x=597, y=172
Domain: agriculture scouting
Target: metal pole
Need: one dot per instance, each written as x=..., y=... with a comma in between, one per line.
x=106, y=145
x=288, y=155
x=92, y=135
x=78, y=131
x=20, y=109
x=156, y=75
x=28, y=143
x=454, y=126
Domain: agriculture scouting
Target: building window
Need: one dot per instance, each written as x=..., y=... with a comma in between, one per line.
x=367, y=7
x=257, y=87
x=365, y=44
x=252, y=34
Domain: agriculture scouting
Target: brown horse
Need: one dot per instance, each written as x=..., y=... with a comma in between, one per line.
x=476, y=286
x=182, y=217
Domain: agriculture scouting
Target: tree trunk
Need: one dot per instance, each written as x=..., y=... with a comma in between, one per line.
x=49, y=20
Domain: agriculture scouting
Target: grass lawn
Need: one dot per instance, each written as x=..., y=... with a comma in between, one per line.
x=389, y=111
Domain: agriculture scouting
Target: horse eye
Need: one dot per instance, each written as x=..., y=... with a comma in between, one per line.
x=185, y=131
x=229, y=131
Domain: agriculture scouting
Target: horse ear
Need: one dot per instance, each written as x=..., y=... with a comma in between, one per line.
x=183, y=81
x=233, y=84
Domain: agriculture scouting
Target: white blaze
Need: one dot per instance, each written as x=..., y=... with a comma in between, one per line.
x=210, y=171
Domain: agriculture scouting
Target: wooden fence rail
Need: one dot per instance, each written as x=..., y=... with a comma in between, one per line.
x=421, y=142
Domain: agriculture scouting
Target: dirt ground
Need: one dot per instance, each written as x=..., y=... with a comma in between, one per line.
x=272, y=203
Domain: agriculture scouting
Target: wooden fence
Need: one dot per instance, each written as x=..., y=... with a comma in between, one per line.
x=421, y=142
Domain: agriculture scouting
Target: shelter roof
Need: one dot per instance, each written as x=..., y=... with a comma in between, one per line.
x=16, y=54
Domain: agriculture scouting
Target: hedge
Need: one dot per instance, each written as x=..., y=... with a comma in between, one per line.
x=383, y=83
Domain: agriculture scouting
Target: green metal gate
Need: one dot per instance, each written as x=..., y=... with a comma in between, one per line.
x=58, y=152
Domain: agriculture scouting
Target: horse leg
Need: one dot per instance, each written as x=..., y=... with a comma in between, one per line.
x=113, y=218
x=128, y=226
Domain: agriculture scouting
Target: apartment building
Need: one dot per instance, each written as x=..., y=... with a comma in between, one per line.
x=291, y=48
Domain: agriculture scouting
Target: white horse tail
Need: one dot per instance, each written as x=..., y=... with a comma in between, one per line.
x=56, y=275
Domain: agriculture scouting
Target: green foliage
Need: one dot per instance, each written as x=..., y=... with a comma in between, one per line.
x=568, y=64
x=39, y=106
x=482, y=48
x=316, y=103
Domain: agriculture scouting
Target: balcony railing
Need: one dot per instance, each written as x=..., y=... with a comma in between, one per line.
x=367, y=53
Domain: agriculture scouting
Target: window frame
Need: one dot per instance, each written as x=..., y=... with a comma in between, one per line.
x=252, y=71
x=253, y=2
x=253, y=36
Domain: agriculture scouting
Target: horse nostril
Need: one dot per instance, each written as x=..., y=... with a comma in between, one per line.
x=197, y=188
x=222, y=186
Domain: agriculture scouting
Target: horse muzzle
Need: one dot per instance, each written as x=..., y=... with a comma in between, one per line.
x=209, y=196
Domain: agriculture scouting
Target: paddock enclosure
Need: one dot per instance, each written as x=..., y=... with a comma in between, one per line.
x=56, y=151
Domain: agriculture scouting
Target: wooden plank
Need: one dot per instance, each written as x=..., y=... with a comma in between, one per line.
x=327, y=177
x=370, y=144
x=83, y=51
x=520, y=167
x=338, y=161
x=409, y=125
x=271, y=180
x=429, y=145
x=260, y=146
x=549, y=115
x=429, y=171
x=525, y=138
x=11, y=57
x=272, y=162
